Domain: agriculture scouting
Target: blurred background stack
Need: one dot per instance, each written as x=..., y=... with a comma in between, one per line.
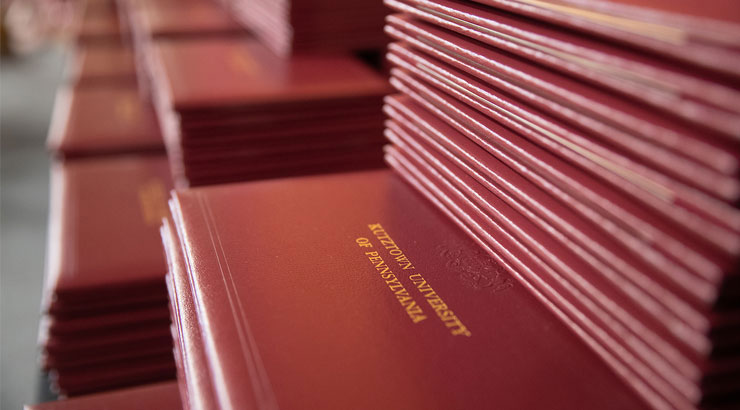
x=162, y=395
x=262, y=116
x=106, y=322
x=105, y=303
x=288, y=26
x=105, y=325
x=154, y=21
x=259, y=114
x=569, y=166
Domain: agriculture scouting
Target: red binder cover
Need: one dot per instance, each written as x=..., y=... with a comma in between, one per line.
x=702, y=34
x=102, y=378
x=410, y=301
x=662, y=173
x=316, y=145
x=683, y=151
x=102, y=27
x=314, y=26
x=98, y=64
x=699, y=263
x=320, y=114
x=111, y=359
x=529, y=197
x=498, y=141
x=86, y=306
x=162, y=396
x=182, y=19
x=626, y=324
x=142, y=336
x=705, y=100
x=81, y=340
x=630, y=264
x=242, y=73
x=146, y=315
x=103, y=237
x=94, y=121
x=494, y=240
x=197, y=381
x=570, y=253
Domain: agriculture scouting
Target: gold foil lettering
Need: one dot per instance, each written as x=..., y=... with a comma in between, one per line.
x=445, y=314
x=412, y=309
x=153, y=202
x=127, y=109
x=387, y=242
x=364, y=242
x=448, y=317
x=242, y=62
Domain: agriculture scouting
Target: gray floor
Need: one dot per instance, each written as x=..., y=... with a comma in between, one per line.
x=27, y=87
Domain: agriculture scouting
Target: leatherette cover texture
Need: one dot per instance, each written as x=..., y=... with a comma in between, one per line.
x=411, y=305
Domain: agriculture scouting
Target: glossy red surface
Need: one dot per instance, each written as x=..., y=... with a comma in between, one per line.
x=197, y=382
x=105, y=120
x=242, y=74
x=289, y=302
x=102, y=64
x=156, y=396
x=700, y=34
x=104, y=232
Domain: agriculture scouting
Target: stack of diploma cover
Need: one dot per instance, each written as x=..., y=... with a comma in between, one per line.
x=353, y=291
x=593, y=149
x=106, y=317
x=232, y=110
